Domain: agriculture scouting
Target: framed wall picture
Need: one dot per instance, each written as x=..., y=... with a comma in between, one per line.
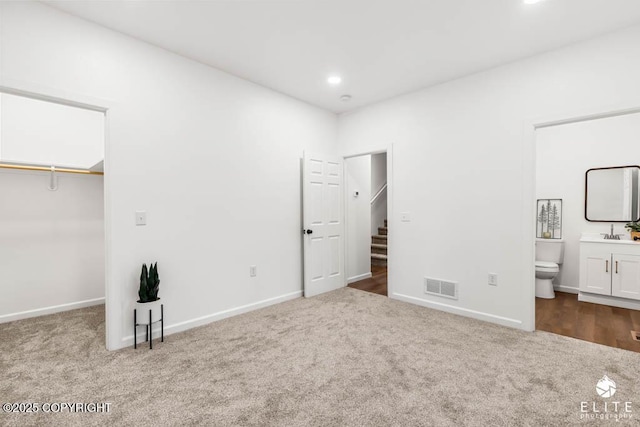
x=549, y=219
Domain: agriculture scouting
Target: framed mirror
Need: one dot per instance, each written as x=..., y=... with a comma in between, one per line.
x=612, y=194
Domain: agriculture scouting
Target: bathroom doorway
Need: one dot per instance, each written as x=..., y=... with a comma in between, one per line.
x=571, y=249
x=367, y=224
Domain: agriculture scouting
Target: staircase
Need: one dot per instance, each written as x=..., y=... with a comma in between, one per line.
x=379, y=246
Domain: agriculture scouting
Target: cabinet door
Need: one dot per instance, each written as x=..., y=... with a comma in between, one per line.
x=626, y=276
x=595, y=272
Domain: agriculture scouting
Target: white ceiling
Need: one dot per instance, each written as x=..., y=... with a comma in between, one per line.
x=381, y=48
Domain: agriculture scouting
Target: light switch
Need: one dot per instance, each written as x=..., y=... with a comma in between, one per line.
x=141, y=217
x=405, y=217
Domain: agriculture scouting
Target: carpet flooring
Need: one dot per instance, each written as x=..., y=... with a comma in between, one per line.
x=347, y=358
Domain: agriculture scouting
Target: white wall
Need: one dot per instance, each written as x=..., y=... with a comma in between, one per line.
x=563, y=155
x=378, y=180
x=464, y=168
x=51, y=243
x=37, y=132
x=358, y=210
x=213, y=159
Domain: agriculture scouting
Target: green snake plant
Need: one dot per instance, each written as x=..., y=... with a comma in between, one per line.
x=149, y=283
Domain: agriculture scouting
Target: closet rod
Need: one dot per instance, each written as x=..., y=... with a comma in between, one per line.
x=46, y=169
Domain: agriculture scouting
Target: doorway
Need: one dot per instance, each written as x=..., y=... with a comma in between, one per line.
x=367, y=224
x=52, y=153
x=564, y=152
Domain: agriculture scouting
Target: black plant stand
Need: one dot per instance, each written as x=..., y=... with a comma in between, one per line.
x=148, y=327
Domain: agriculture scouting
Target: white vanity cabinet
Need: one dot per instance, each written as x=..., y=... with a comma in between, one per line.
x=610, y=268
x=625, y=282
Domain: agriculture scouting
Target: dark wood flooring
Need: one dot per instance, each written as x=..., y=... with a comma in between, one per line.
x=376, y=284
x=602, y=324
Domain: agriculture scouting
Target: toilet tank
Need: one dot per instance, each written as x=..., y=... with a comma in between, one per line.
x=549, y=250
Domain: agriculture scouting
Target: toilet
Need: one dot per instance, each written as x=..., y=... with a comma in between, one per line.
x=549, y=255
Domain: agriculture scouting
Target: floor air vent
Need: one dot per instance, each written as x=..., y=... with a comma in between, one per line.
x=635, y=335
x=441, y=288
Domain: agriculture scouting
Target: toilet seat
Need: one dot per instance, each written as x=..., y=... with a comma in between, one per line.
x=547, y=266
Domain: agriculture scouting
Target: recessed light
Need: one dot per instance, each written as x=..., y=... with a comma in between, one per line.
x=334, y=80
x=345, y=98
x=531, y=1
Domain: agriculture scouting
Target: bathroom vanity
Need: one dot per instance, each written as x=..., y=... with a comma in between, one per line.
x=610, y=263
x=610, y=271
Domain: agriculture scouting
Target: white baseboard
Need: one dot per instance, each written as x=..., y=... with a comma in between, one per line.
x=210, y=318
x=504, y=321
x=50, y=310
x=358, y=277
x=567, y=289
x=609, y=300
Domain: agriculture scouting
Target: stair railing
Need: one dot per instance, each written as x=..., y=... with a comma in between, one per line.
x=379, y=193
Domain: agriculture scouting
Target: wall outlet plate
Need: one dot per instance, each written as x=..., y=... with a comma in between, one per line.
x=493, y=279
x=253, y=271
x=141, y=217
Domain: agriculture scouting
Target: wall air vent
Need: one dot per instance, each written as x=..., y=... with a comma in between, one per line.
x=442, y=288
x=432, y=286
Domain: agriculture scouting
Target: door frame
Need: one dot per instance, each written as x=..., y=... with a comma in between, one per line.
x=531, y=125
x=390, y=241
x=56, y=96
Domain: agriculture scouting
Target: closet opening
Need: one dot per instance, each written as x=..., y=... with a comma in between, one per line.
x=52, y=216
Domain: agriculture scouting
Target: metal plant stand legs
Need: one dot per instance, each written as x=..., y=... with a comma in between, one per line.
x=148, y=327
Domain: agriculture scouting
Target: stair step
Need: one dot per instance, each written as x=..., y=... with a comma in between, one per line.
x=379, y=240
x=378, y=249
x=379, y=246
x=378, y=259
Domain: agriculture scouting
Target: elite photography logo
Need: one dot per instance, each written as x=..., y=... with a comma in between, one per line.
x=606, y=387
x=605, y=408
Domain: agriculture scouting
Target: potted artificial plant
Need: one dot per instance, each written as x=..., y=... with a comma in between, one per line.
x=634, y=230
x=148, y=293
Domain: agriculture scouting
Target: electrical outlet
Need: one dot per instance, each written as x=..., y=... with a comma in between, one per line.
x=253, y=271
x=493, y=279
x=405, y=217
x=141, y=217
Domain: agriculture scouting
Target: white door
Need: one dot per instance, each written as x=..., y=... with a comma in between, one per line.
x=322, y=217
x=595, y=271
x=626, y=276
